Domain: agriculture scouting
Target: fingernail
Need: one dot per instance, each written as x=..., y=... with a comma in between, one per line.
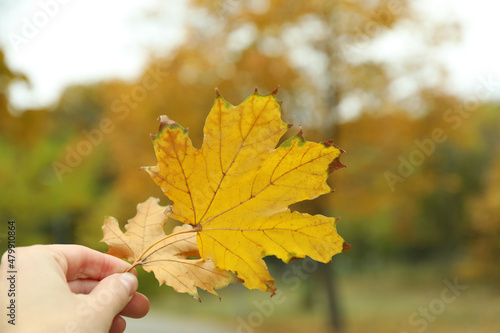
x=129, y=281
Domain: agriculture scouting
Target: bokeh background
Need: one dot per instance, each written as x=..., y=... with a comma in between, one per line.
x=407, y=88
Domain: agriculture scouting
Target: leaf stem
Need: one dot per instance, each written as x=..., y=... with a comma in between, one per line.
x=136, y=263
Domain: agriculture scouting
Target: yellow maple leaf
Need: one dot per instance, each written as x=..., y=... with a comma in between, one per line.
x=169, y=257
x=235, y=190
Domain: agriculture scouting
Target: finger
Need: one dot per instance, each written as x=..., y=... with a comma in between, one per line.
x=82, y=286
x=80, y=262
x=118, y=326
x=113, y=293
x=138, y=307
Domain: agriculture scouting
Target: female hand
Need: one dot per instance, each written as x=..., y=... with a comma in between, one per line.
x=69, y=288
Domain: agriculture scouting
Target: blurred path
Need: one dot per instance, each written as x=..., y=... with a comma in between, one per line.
x=157, y=323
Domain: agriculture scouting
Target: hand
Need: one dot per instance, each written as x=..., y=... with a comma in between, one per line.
x=69, y=288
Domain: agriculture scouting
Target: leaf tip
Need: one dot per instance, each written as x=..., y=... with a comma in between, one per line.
x=165, y=121
x=217, y=93
x=345, y=247
x=336, y=221
x=330, y=143
x=271, y=287
x=335, y=165
x=275, y=91
x=293, y=258
x=301, y=133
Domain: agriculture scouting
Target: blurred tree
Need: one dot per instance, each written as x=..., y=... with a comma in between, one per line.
x=483, y=237
x=7, y=77
x=46, y=204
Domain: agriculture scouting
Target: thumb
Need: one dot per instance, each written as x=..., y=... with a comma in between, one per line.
x=113, y=293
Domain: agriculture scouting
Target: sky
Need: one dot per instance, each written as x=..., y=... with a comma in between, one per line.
x=477, y=55
x=93, y=39
x=98, y=40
